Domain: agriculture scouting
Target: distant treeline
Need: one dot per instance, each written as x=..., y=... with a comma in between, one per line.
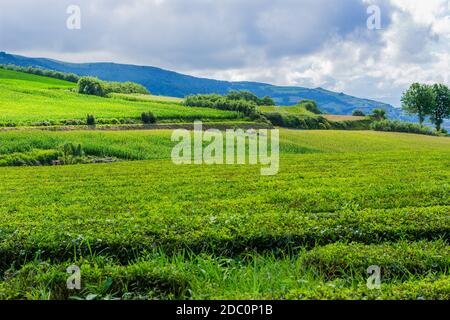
x=71, y=77
x=86, y=85
x=239, y=101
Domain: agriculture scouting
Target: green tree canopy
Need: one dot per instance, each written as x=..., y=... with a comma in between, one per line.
x=418, y=99
x=441, y=108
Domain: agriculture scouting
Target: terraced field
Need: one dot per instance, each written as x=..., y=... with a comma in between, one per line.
x=149, y=229
x=28, y=99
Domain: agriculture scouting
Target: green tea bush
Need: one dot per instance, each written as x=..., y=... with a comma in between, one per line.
x=32, y=158
x=398, y=259
x=433, y=288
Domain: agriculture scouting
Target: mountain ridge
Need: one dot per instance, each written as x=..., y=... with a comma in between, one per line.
x=171, y=83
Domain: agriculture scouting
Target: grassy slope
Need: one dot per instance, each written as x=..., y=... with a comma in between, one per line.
x=26, y=98
x=146, y=145
x=367, y=187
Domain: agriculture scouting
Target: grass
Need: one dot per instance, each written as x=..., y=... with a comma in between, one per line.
x=27, y=99
x=287, y=236
x=157, y=144
x=148, y=229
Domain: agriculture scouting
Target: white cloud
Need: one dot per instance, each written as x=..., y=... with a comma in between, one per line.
x=308, y=43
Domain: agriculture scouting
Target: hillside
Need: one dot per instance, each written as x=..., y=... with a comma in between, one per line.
x=29, y=100
x=168, y=83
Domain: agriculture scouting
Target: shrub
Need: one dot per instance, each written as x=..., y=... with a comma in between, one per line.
x=400, y=126
x=229, y=103
x=91, y=86
x=358, y=113
x=297, y=122
x=378, y=114
x=90, y=120
x=148, y=117
x=94, y=86
x=395, y=259
x=311, y=106
x=250, y=97
x=125, y=87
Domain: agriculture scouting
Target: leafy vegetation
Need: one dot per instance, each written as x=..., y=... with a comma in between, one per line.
x=426, y=100
x=149, y=229
x=27, y=99
x=399, y=126
x=42, y=72
x=96, y=87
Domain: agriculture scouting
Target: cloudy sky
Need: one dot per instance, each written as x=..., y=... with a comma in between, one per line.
x=307, y=43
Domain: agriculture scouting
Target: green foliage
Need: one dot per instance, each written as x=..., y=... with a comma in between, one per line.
x=250, y=97
x=125, y=88
x=331, y=191
x=311, y=106
x=235, y=101
x=396, y=260
x=96, y=87
x=378, y=114
x=91, y=86
x=418, y=99
x=34, y=157
x=400, y=126
x=358, y=113
x=441, y=109
x=26, y=99
x=297, y=122
x=148, y=117
x=43, y=72
x=90, y=120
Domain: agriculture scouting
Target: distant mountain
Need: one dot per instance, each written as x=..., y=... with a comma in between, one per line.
x=169, y=83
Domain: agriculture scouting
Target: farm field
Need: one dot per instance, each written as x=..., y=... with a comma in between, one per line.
x=29, y=99
x=146, y=229
x=301, y=111
x=157, y=144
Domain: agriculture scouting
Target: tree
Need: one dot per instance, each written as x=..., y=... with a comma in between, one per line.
x=379, y=114
x=441, y=107
x=311, y=106
x=418, y=99
x=92, y=86
x=267, y=101
x=358, y=113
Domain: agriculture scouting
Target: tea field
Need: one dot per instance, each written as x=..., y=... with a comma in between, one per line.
x=32, y=100
x=148, y=229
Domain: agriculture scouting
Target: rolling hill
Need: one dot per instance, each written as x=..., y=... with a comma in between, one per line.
x=169, y=83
